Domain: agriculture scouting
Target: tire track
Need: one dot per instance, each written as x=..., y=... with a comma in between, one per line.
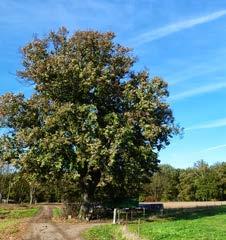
x=42, y=228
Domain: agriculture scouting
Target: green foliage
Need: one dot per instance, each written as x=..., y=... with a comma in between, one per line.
x=219, y=172
x=187, y=185
x=163, y=185
x=200, y=183
x=205, y=182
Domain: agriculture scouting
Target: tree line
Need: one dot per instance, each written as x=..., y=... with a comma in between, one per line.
x=202, y=182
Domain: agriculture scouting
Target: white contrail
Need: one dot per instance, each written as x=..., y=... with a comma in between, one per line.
x=175, y=27
x=198, y=91
x=214, y=124
x=214, y=148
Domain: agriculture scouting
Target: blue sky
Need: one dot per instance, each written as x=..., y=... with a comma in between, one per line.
x=183, y=41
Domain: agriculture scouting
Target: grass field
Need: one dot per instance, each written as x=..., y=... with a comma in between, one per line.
x=11, y=216
x=200, y=223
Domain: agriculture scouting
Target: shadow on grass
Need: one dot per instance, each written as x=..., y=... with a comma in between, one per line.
x=189, y=213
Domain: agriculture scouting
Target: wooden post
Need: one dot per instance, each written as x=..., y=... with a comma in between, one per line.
x=114, y=215
x=119, y=216
x=143, y=212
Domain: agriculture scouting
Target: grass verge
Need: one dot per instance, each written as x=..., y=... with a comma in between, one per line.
x=57, y=212
x=12, y=217
x=104, y=232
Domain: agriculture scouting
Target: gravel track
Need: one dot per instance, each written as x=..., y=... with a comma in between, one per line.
x=42, y=228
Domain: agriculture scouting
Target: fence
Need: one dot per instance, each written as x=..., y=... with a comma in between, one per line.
x=130, y=214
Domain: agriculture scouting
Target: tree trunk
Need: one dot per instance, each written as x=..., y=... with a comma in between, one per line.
x=8, y=194
x=9, y=188
x=84, y=212
x=88, y=188
x=32, y=190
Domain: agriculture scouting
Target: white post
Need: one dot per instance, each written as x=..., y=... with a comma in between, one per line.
x=114, y=215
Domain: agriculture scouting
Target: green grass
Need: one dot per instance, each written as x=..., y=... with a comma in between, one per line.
x=23, y=213
x=57, y=212
x=195, y=224
x=209, y=224
x=12, y=216
x=4, y=224
x=104, y=232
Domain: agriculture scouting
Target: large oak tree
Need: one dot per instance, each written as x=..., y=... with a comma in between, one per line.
x=92, y=119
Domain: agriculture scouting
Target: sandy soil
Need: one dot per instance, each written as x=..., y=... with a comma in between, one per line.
x=42, y=228
x=168, y=205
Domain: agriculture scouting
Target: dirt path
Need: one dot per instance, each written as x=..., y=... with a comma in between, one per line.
x=42, y=228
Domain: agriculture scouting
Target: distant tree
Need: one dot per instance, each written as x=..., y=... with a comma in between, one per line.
x=164, y=184
x=20, y=188
x=92, y=116
x=201, y=170
x=170, y=192
x=201, y=182
x=187, y=187
x=6, y=178
x=33, y=184
x=218, y=172
x=205, y=181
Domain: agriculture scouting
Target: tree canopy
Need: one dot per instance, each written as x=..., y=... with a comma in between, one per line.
x=92, y=118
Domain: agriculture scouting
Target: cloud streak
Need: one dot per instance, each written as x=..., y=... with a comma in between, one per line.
x=214, y=148
x=213, y=124
x=198, y=91
x=164, y=31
